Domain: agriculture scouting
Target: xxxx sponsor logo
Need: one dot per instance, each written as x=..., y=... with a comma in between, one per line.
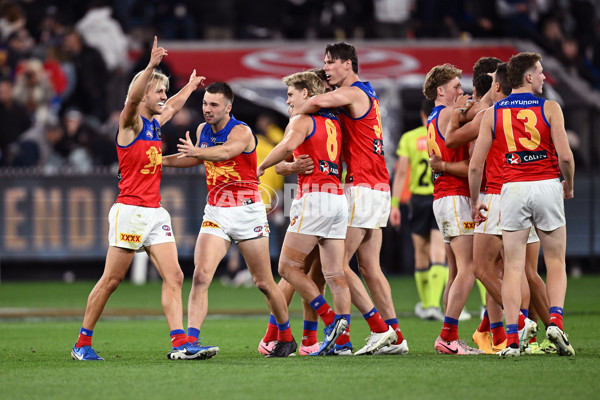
x=209, y=224
x=469, y=225
x=131, y=238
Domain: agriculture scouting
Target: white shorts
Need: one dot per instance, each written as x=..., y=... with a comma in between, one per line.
x=453, y=216
x=236, y=223
x=538, y=203
x=320, y=214
x=136, y=227
x=491, y=226
x=367, y=208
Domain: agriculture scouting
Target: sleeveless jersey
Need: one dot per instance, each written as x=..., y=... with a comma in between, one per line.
x=363, y=145
x=413, y=145
x=522, y=130
x=323, y=146
x=140, y=167
x=493, y=169
x=231, y=182
x=445, y=184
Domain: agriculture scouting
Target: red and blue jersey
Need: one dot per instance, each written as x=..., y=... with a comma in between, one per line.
x=523, y=132
x=445, y=184
x=140, y=167
x=363, y=145
x=323, y=146
x=231, y=182
x=493, y=169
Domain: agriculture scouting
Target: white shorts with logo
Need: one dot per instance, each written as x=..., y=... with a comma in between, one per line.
x=136, y=227
x=367, y=208
x=491, y=226
x=538, y=203
x=320, y=214
x=453, y=216
x=236, y=223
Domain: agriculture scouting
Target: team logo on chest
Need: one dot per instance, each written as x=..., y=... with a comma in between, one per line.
x=154, y=161
x=224, y=170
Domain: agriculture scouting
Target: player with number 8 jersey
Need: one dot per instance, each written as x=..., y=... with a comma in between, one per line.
x=318, y=215
x=323, y=145
x=367, y=191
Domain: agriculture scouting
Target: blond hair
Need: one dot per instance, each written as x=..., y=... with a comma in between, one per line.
x=157, y=77
x=439, y=76
x=306, y=80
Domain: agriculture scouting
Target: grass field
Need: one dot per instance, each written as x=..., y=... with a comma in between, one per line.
x=39, y=322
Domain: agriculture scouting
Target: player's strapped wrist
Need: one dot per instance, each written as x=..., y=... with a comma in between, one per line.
x=395, y=201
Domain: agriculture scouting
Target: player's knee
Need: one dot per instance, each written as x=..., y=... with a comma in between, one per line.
x=177, y=277
x=201, y=277
x=368, y=271
x=110, y=282
x=287, y=264
x=335, y=278
x=264, y=286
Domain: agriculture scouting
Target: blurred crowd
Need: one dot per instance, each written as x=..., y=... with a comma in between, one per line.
x=65, y=66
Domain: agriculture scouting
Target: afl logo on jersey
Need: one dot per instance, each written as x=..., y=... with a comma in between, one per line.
x=513, y=158
x=149, y=134
x=203, y=145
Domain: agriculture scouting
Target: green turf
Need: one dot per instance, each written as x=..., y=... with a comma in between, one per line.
x=35, y=361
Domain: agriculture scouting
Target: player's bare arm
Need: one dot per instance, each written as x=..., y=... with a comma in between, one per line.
x=303, y=165
x=456, y=168
x=566, y=162
x=480, y=105
x=346, y=96
x=296, y=132
x=457, y=135
x=130, y=122
x=173, y=160
x=476, y=165
x=240, y=140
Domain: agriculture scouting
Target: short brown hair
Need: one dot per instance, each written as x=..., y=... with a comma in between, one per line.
x=518, y=67
x=481, y=80
x=502, y=78
x=343, y=51
x=306, y=80
x=439, y=76
x=320, y=73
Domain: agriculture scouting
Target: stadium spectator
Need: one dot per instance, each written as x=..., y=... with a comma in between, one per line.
x=15, y=118
x=92, y=76
x=101, y=31
x=33, y=89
